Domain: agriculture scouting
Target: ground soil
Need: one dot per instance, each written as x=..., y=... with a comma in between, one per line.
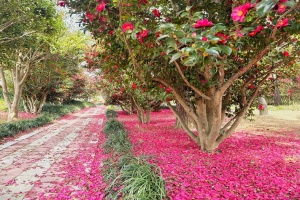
x=275, y=121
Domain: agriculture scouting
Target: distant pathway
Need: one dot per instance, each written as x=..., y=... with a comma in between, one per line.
x=30, y=164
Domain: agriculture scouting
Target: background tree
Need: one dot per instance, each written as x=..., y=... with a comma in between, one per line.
x=21, y=53
x=50, y=75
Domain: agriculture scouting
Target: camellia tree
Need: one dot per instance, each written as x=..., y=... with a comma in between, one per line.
x=208, y=53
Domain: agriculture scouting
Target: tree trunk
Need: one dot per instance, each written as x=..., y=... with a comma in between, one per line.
x=206, y=117
x=14, y=108
x=277, y=97
x=42, y=103
x=142, y=114
x=184, y=116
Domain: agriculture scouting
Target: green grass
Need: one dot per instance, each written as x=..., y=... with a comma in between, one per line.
x=292, y=107
x=3, y=106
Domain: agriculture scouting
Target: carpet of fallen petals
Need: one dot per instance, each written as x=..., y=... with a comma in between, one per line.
x=245, y=166
x=81, y=171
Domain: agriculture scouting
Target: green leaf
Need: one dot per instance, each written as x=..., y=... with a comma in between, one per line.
x=289, y=3
x=175, y=57
x=212, y=52
x=226, y=49
x=185, y=40
x=212, y=71
x=265, y=6
x=190, y=61
x=133, y=35
x=183, y=14
x=188, y=8
x=179, y=33
x=162, y=37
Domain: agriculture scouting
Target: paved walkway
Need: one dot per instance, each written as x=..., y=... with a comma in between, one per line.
x=31, y=164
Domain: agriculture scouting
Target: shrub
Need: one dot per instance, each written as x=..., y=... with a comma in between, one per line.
x=112, y=126
x=140, y=180
x=117, y=142
x=110, y=114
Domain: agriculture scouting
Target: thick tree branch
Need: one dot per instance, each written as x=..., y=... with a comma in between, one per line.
x=190, y=85
x=182, y=102
x=183, y=124
x=231, y=80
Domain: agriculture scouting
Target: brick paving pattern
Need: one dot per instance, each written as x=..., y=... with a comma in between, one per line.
x=30, y=165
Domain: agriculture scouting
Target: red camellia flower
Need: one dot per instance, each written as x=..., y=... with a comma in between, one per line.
x=203, y=23
x=286, y=54
x=61, y=3
x=156, y=13
x=100, y=7
x=162, y=53
x=168, y=90
x=257, y=30
x=223, y=37
x=239, y=13
x=127, y=27
x=142, y=34
x=204, y=39
x=238, y=33
x=283, y=23
x=89, y=16
x=145, y=2
x=281, y=8
x=134, y=86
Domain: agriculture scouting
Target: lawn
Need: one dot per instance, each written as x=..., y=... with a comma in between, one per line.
x=251, y=164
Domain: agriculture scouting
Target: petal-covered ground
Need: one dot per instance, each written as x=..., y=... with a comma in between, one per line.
x=246, y=166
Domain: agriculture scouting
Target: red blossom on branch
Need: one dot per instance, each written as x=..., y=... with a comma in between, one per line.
x=203, y=23
x=61, y=3
x=223, y=37
x=281, y=8
x=285, y=54
x=89, y=16
x=100, y=7
x=134, y=86
x=142, y=34
x=283, y=23
x=239, y=13
x=127, y=27
x=156, y=13
x=257, y=30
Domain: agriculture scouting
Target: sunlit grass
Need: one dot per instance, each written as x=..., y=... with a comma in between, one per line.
x=293, y=107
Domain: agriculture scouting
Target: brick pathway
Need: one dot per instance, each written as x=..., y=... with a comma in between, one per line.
x=30, y=165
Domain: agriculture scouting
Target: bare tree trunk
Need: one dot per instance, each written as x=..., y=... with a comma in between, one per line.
x=5, y=89
x=42, y=103
x=277, y=97
x=25, y=106
x=142, y=114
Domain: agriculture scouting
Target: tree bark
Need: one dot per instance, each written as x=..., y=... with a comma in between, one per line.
x=277, y=97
